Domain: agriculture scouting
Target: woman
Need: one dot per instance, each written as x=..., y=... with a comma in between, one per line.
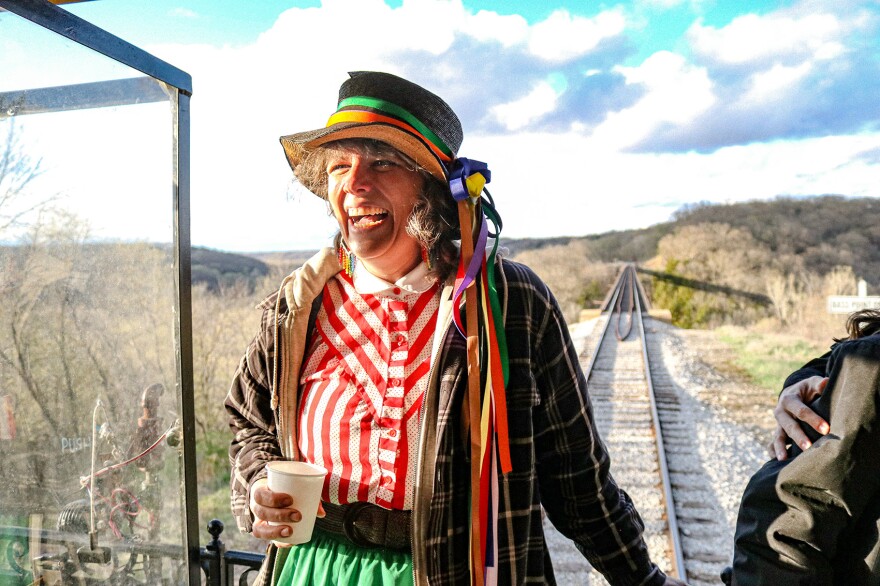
x=447, y=409
x=811, y=515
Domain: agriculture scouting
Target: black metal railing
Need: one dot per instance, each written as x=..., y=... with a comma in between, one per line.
x=67, y=558
x=222, y=567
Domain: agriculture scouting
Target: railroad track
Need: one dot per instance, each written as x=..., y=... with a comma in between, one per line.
x=652, y=445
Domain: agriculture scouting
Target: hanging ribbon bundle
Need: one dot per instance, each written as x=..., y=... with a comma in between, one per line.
x=487, y=360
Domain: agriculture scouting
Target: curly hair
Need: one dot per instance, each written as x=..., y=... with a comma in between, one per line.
x=434, y=219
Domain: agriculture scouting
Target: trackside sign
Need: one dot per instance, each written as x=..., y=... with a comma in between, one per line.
x=851, y=303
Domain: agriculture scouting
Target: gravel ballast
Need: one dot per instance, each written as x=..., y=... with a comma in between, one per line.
x=729, y=423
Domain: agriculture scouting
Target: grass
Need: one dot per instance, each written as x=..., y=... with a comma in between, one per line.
x=765, y=359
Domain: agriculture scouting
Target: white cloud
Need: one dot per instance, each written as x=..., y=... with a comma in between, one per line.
x=183, y=12
x=582, y=187
x=562, y=36
x=352, y=28
x=663, y=4
x=676, y=93
x=509, y=30
x=245, y=97
x=520, y=113
x=775, y=84
x=753, y=38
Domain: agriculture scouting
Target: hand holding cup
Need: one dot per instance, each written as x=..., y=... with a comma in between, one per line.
x=287, y=501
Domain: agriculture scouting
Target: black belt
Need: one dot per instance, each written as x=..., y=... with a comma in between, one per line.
x=368, y=525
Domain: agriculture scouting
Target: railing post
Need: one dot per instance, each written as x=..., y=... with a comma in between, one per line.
x=213, y=557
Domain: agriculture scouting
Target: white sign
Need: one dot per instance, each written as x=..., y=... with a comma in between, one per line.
x=851, y=303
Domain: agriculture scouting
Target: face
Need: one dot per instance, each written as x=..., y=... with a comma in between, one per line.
x=371, y=196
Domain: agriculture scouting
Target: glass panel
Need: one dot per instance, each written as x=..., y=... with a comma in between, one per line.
x=89, y=391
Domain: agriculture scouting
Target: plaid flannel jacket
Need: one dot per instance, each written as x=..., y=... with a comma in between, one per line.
x=559, y=462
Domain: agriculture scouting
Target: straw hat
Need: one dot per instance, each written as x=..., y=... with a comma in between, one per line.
x=393, y=110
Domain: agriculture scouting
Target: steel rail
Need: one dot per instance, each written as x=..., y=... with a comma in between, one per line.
x=671, y=519
x=610, y=301
x=627, y=286
x=628, y=294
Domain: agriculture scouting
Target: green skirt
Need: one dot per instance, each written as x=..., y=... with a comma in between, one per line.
x=328, y=560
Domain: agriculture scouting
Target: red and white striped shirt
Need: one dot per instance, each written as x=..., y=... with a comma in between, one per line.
x=363, y=380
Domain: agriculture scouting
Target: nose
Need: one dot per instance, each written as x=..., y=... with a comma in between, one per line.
x=359, y=178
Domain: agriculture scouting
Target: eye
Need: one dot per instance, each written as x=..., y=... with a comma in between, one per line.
x=384, y=164
x=336, y=167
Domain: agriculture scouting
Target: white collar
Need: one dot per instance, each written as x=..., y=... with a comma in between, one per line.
x=416, y=281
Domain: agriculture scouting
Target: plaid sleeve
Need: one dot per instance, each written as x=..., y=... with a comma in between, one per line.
x=252, y=421
x=578, y=492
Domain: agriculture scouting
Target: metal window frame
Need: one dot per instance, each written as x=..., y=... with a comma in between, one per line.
x=61, y=22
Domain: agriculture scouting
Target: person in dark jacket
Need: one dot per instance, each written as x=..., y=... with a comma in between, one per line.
x=810, y=516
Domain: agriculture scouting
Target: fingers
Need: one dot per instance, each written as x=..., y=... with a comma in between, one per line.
x=792, y=407
x=777, y=447
x=273, y=506
x=264, y=530
x=267, y=498
x=811, y=418
x=805, y=390
x=792, y=429
x=811, y=388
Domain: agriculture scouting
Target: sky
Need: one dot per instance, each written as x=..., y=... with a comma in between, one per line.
x=592, y=116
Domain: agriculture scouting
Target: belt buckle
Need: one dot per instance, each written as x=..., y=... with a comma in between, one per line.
x=348, y=528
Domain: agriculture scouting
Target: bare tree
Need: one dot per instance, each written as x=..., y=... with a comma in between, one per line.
x=787, y=292
x=34, y=280
x=570, y=273
x=18, y=170
x=718, y=254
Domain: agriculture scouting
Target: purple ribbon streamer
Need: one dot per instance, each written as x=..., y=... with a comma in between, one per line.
x=474, y=267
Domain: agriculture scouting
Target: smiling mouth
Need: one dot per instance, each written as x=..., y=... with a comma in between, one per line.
x=366, y=217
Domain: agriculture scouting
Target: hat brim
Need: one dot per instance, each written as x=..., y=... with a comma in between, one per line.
x=297, y=145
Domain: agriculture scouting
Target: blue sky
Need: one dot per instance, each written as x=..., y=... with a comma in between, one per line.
x=593, y=116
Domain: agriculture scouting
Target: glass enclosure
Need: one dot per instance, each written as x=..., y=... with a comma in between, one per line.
x=92, y=384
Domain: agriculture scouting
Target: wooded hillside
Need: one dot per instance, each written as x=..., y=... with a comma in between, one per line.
x=786, y=250
x=824, y=231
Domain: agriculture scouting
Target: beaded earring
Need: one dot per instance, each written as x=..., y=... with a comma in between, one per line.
x=346, y=258
x=426, y=256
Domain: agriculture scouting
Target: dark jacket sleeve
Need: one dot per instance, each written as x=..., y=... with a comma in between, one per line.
x=815, y=367
x=252, y=420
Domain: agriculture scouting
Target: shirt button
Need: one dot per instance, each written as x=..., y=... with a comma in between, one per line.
x=388, y=481
x=396, y=382
x=401, y=340
x=392, y=433
x=397, y=290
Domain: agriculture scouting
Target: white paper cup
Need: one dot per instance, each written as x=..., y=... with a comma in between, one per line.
x=303, y=482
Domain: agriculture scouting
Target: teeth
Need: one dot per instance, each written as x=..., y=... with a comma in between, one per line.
x=366, y=217
x=364, y=211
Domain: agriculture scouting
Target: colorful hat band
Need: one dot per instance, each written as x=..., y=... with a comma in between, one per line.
x=388, y=113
